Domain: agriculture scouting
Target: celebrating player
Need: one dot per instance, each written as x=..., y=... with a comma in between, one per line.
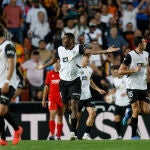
x=70, y=85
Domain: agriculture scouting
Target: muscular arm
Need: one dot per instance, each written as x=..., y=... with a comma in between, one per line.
x=100, y=51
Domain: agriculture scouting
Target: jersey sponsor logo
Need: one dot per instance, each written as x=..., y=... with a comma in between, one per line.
x=55, y=81
x=84, y=78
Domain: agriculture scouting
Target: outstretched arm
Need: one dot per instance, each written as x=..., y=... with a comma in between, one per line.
x=100, y=51
x=95, y=87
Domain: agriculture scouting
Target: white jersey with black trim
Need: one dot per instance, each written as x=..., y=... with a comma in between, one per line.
x=4, y=64
x=85, y=76
x=138, y=80
x=119, y=84
x=69, y=59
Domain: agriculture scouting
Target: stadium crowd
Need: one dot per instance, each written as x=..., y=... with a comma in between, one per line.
x=36, y=28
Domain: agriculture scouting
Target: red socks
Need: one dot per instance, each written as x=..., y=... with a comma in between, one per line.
x=52, y=127
x=59, y=130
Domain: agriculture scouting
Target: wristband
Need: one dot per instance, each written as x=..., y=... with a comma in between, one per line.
x=7, y=81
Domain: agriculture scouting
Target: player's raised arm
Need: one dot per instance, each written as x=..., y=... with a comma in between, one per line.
x=49, y=63
x=100, y=51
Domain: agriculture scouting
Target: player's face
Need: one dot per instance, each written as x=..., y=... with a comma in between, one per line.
x=65, y=41
x=86, y=60
x=57, y=66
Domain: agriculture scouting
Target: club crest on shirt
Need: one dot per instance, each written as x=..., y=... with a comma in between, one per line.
x=65, y=59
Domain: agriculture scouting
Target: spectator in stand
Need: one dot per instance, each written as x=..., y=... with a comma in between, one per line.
x=34, y=77
x=100, y=25
x=39, y=30
x=12, y=15
x=52, y=7
x=6, y=2
x=92, y=6
x=45, y=54
x=97, y=59
x=93, y=33
x=70, y=28
x=129, y=14
x=32, y=15
x=54, y=38
x=105, y=16
x=116, y=40
x=142, y=16
x=112, y=8
x=81, y=24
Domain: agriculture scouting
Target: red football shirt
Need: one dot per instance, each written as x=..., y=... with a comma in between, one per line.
x=52, y=80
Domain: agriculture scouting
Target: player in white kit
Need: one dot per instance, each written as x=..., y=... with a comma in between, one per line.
x=70, y=55
x=86, y=100
x=135, y=66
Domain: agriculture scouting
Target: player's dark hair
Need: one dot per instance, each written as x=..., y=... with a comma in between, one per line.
x=70, y=36
x=1, y=31
x=138, y=40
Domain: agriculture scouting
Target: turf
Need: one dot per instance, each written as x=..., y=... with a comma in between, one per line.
x=80, y=145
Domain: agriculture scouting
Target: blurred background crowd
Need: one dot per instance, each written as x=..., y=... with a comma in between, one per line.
x=36, y=28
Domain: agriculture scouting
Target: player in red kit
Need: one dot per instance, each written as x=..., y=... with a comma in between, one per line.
x=55, y=104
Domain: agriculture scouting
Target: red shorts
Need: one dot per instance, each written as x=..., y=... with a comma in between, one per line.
x=54, y=105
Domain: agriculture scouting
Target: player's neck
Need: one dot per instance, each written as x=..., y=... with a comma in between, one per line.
x=138, y=50
x=69, y=47
x=83, y=65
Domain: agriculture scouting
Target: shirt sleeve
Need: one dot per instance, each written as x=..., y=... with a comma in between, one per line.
x=82, y=49
x=127, y=60
x=10, y=51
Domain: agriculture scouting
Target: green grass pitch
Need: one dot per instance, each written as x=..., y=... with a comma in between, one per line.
x=80, y=145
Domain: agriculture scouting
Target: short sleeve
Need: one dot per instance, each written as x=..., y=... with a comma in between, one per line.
x=127, y=60
x=82, y=49
x=10, y=51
